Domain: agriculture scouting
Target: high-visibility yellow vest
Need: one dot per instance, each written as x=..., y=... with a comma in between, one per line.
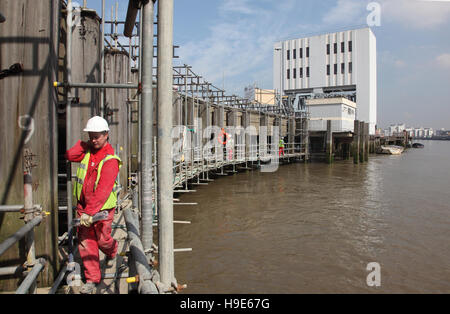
x=281, y=144
x=111, y=202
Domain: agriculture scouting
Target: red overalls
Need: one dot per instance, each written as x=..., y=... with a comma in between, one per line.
x=98, y=235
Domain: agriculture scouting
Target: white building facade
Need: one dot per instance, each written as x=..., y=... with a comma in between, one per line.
x=339, y=110
x=342, y=61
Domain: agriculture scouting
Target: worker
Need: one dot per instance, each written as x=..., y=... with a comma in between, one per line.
x=95, y=190
x=281, y=147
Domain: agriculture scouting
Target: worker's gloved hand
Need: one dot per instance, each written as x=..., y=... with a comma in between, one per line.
x=86, y=220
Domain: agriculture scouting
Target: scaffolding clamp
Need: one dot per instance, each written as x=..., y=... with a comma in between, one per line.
x=33, y=212
x=134, y=279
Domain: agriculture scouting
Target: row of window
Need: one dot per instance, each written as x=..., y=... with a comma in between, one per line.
x=335, y=47
x=335, y=68
x=300, y=53
x=350, y=68
x=294, y=73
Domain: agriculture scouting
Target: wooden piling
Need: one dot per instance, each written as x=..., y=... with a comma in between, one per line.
x=361, y=142
x=306, y=139
x=329, y=143
x=356, y=136
x=366, y=142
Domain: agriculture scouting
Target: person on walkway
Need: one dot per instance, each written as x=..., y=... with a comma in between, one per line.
x=95, y=190
x=281, y=147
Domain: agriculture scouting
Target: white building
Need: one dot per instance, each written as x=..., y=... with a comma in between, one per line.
x=336, y=62
x=428, y=132
x=339, y=110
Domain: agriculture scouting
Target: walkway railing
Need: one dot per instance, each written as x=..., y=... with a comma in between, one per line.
x=190, y=163
x=33, y=215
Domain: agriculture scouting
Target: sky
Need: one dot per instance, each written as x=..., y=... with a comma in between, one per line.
x=230, y=44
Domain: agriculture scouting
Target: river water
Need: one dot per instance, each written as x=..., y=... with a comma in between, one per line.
x=314, y=228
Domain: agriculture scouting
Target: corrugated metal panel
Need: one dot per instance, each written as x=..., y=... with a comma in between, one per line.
x=116, y=108
x=85, y=68
x=284, y=127
x=28, y=120
x=134, y=124
x=255, y=120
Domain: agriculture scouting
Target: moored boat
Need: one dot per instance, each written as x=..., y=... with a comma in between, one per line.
x=391, y=150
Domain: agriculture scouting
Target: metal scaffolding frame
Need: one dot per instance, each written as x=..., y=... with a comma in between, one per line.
x=158, y=176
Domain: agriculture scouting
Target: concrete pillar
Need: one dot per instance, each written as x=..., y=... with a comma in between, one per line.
x=329, y=143
x=355, y=144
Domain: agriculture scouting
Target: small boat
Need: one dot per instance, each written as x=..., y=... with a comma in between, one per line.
x=391, y=150
x=418, y=145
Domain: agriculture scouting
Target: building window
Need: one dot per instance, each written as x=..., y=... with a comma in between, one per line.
x=335, y=47
x=300, y=73
x=301, y=52
x=288, y=55
x=328, y=49
x=350, y=67
x=335, y=69
x=342, y=46
x=342, y=68
x=294, y=73
x=294, y=54
x=307, y=52
x=350, y=45
x=288, y=74
x=328, y=69
x=307, y=71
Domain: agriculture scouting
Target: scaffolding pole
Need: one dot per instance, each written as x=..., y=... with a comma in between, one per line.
x=147, y=126
x=165, y=174
x=69, y=127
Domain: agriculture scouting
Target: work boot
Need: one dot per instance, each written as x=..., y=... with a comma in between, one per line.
x=88, y=288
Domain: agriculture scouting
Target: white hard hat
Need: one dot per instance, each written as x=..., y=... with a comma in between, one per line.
x=96, y=124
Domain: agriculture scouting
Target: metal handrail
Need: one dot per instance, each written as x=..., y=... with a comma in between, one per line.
x=31, y=277
x=5, y=245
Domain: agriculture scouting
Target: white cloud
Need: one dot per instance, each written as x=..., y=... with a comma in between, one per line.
x=238, y=48
x=416, y=14
x=388, y=59
x=443, y=60
x=237, y=6
x=346, y=12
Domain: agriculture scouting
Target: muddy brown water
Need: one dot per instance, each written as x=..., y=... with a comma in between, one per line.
x=314, y=228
